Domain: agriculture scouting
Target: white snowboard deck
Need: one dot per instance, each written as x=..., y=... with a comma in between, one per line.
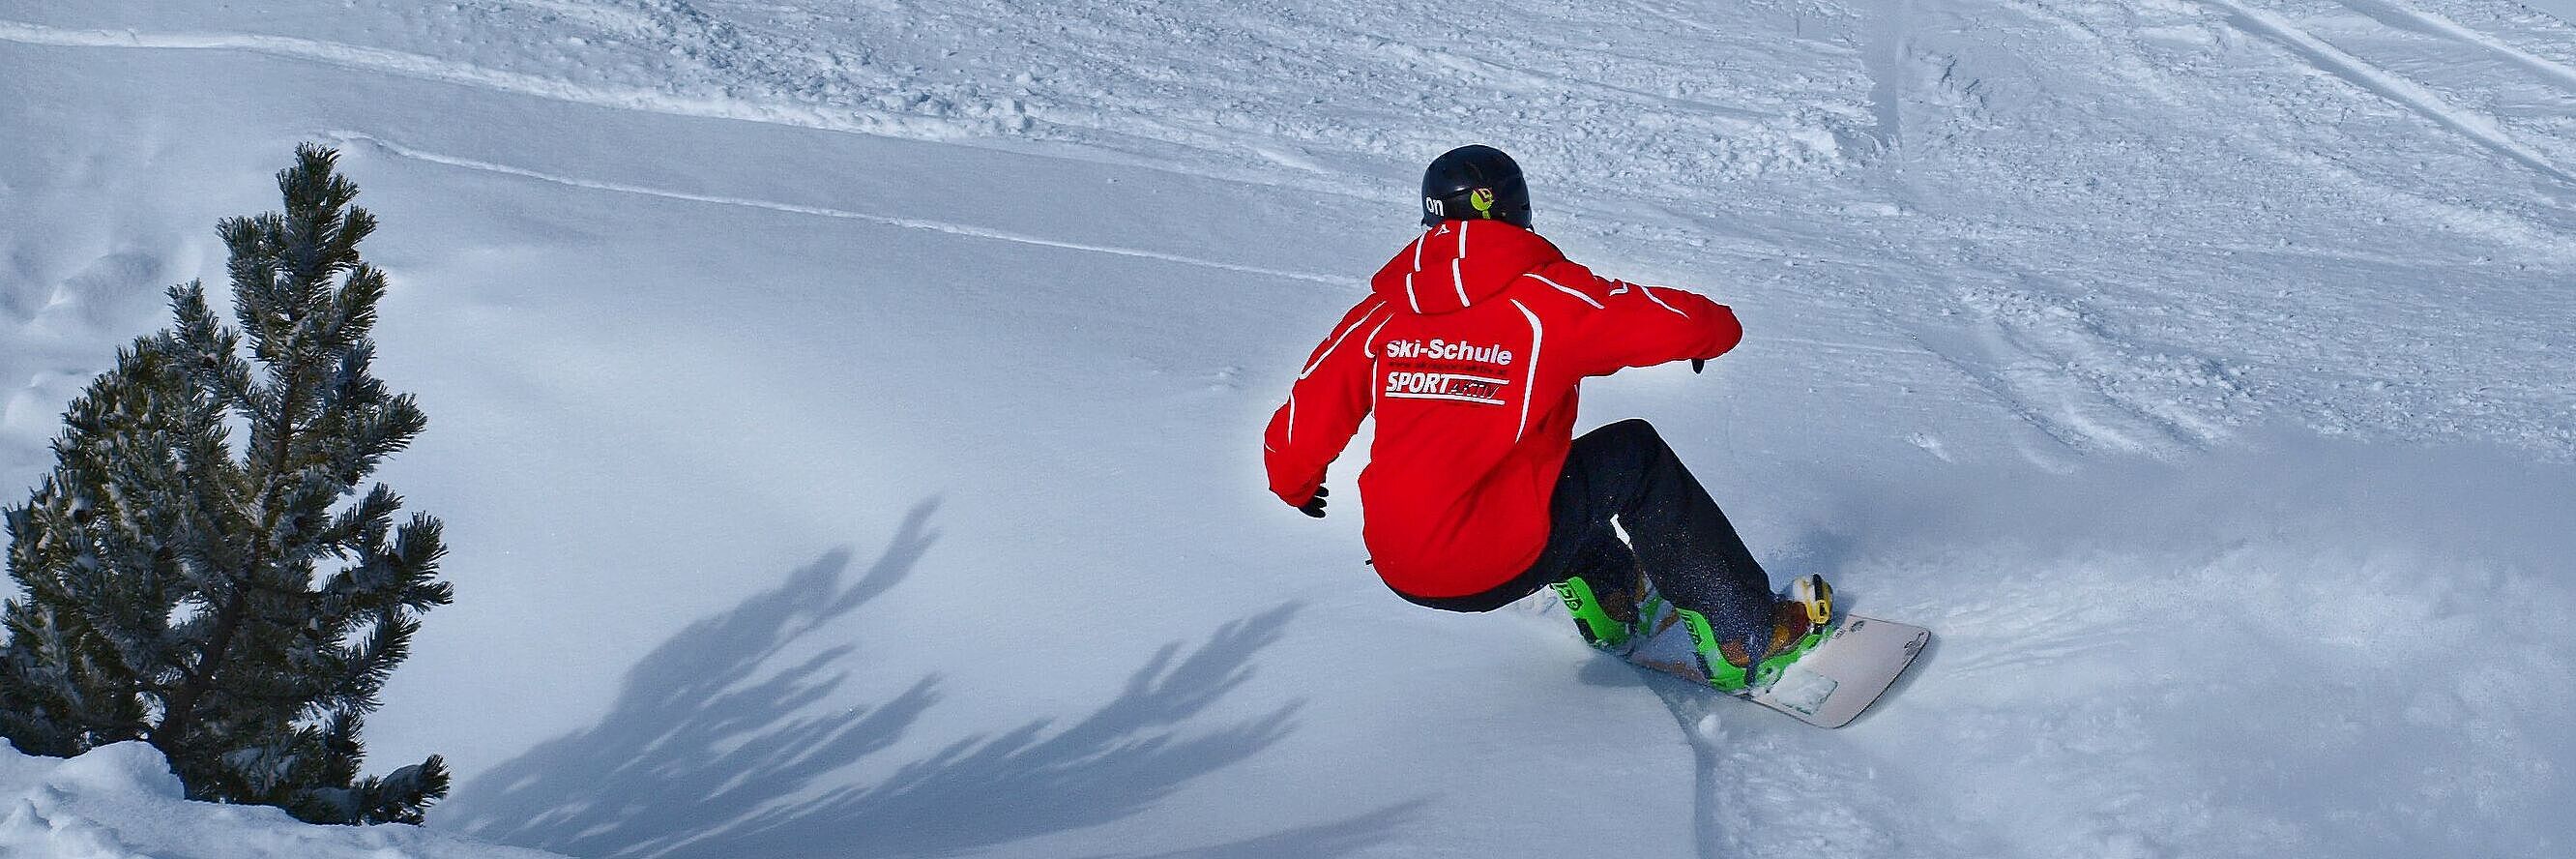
x=1830, y=687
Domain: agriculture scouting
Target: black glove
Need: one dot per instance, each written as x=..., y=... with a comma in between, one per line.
x=1698, y=364
x=1315, y=506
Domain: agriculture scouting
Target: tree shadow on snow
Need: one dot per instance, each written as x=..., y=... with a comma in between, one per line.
x=710, y=750
x=684, y=746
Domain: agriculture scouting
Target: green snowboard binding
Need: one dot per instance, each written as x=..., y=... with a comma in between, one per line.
x=1592, y=614
x=1611, y=620
x=1799, y=623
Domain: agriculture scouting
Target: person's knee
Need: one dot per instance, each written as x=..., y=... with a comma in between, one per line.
x=1610, y=459
x=1633, y=434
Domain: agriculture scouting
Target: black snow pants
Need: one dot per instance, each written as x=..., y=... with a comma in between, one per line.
x=1675, y=531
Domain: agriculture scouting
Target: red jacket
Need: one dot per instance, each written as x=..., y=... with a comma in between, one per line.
x=1469, y=352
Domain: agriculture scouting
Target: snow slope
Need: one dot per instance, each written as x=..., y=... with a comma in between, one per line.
x=844, y=414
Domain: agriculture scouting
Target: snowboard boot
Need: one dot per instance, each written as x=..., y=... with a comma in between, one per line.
x=1812, y=594
x=1604, y=612
x=1799, y=623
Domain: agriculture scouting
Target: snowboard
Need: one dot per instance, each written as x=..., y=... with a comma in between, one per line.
x=1829, y=687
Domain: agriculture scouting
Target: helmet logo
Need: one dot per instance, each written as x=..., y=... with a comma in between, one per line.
x=1483, y=200
x=1432, y=205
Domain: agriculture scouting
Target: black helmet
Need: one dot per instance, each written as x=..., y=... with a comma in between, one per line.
x=1472, y=183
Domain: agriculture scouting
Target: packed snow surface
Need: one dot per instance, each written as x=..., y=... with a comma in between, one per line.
x=846, y=414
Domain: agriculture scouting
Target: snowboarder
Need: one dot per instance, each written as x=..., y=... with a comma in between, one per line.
x=1469, y=351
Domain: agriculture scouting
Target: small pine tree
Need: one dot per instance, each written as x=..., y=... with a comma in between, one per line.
x=173, y=585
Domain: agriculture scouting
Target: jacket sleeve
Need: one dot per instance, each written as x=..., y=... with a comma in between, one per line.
x=1635, y=325
x=1324, y=407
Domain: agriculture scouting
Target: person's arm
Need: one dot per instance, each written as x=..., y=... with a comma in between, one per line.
x=1635, y=325
x=1324, y=409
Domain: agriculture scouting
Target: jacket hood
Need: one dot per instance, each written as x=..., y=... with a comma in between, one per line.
x=1456, y=264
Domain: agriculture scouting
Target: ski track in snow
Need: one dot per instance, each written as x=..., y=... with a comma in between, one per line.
x=853, y=71
x=828, y=212
x=2169, y=394
x=2395, y=88
x=432, y=68
x=2419, y=21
